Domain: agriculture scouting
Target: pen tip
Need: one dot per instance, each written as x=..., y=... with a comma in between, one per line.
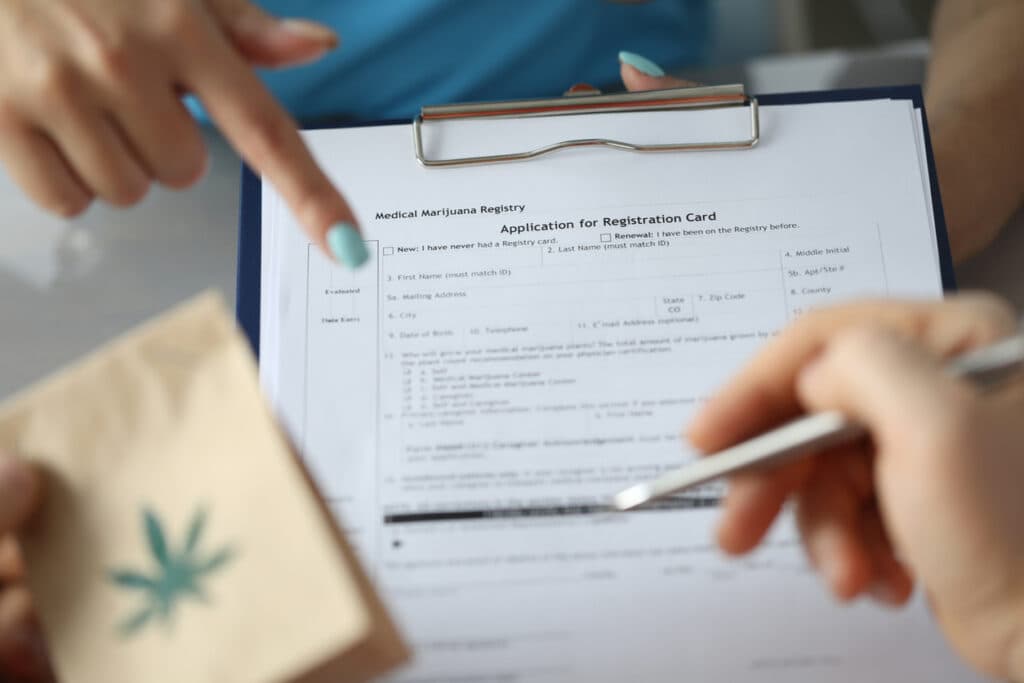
x=632, y=497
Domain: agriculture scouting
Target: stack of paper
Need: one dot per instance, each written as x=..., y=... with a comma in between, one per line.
x=528, y=339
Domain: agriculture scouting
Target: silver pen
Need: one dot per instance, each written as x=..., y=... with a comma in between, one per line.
x=986, y=366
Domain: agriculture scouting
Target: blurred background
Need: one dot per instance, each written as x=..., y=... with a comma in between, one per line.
x=748, y=28
x=852, y=43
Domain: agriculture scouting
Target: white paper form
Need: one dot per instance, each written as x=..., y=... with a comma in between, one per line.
x=530, y=338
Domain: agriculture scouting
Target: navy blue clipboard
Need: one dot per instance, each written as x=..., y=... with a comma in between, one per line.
x=247, y=302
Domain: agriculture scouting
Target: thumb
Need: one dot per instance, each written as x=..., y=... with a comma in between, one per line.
x=19, y=491
x=265, y=40
x=640, y=73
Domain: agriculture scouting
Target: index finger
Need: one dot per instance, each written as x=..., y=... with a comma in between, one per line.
x=763, y=393
x=268, y=139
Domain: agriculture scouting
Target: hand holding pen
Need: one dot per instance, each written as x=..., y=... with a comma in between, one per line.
x=932, y=496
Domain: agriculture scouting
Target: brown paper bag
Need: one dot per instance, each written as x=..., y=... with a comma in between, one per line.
x=179, y=539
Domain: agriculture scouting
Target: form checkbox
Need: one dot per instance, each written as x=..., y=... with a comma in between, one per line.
x=606, y=237
x=388, y=251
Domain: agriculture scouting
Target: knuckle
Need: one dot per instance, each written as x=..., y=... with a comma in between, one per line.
x=103, y=52
x=52, y=80
x=113, y=60
x=173, y=19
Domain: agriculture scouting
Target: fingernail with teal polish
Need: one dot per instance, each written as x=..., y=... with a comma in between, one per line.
x=347, y=245
x=641, y=64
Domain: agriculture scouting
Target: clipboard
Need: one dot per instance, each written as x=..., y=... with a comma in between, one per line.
x=682, y=99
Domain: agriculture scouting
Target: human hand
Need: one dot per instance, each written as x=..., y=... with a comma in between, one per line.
x=639, y=74
x=22, y=654
x=934, y=497
x=90, y=103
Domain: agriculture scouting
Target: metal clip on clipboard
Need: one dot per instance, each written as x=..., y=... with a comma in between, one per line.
x=714, y=97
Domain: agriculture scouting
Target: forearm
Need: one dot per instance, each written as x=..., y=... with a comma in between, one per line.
x=975, y=97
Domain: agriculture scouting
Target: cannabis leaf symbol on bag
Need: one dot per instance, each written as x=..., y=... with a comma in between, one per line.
x=178, y=575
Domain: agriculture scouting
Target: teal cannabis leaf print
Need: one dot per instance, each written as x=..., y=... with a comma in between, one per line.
x=179, y=574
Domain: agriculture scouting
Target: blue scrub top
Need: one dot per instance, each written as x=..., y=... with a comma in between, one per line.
x=397, y=55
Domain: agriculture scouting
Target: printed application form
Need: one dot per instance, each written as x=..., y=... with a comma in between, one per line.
x=527, y=339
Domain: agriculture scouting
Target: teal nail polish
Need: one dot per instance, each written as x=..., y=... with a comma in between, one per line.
x=347, y=245
x=641, y=64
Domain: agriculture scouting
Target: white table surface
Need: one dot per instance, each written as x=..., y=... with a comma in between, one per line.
x=67, y=286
